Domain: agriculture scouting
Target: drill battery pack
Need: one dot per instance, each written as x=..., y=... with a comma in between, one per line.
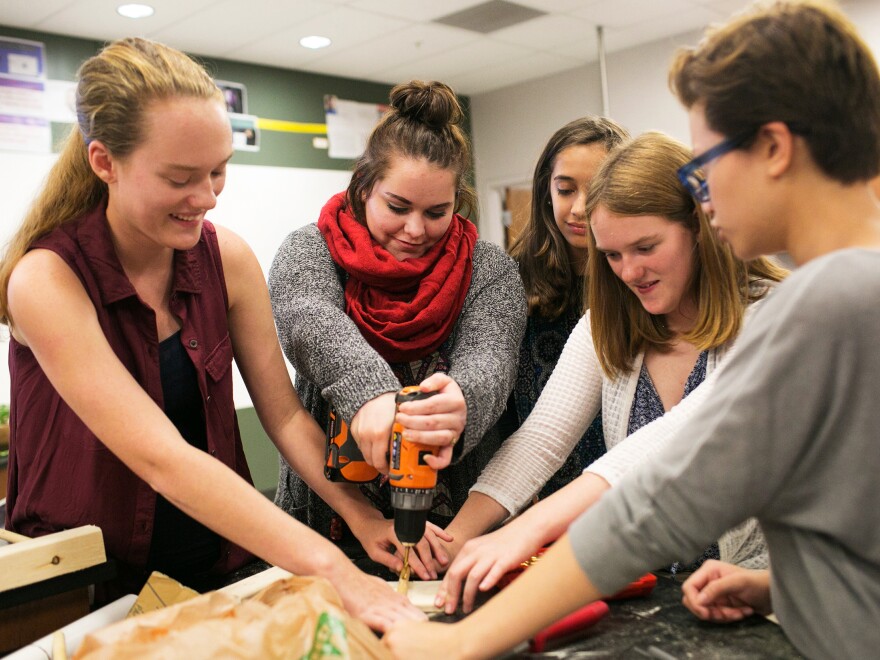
x=343, y=460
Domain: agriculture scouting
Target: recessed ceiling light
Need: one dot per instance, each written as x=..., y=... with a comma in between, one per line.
x=135, y=11
x=314, y=41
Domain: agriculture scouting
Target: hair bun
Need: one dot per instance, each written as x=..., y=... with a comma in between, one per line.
x=433, y=103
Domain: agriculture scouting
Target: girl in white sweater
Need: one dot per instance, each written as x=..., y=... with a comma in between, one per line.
x=667, y=301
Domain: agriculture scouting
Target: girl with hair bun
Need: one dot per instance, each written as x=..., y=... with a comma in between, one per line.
x=126, y=308
x=392, y=288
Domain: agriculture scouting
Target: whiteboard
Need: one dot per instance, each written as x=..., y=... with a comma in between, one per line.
x=261, y=204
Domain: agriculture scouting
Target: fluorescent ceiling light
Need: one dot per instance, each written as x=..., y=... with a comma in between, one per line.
x=314, y=41
x=135, y=11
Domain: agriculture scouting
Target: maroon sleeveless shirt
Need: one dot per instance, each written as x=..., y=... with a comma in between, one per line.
x=60, y=474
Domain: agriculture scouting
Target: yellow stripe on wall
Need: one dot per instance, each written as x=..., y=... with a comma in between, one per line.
x=291, y=126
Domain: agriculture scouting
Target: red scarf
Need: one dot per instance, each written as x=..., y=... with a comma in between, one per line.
x=404, y=309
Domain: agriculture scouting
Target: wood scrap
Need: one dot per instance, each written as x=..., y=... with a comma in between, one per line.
x=34, y=560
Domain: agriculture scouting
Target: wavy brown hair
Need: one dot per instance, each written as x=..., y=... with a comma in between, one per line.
x=638, y=179
x=115, y=89
x=423, y=122
x=550, y=281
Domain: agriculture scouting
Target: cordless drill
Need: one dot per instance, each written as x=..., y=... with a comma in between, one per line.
x=412, y=483
x=411, y=480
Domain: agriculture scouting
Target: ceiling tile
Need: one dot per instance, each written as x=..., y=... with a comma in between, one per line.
x=658, y=28
x=411, y=44
x=415, y=10
x=29, y=14
x=542, y=32
x=345, y=27
x=198, y=32
x=554, y=6
x=726, y=7
x=585, y=48
x=621, y=13
x=511, y=72
x=97, y=19
x=450, y=64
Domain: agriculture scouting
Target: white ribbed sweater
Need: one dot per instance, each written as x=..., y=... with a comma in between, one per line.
x=569, y=402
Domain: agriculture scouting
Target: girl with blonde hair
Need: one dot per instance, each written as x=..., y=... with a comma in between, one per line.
x=126, y=307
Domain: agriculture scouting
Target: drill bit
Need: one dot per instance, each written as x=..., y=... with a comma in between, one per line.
x=403, y=579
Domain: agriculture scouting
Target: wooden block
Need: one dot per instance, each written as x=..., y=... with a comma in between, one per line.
x=421, y=594
x=251, y=585
x=12, y=537
x=48, y=556
x=59, y=646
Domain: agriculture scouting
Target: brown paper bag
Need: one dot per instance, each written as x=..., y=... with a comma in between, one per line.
x=297, y=618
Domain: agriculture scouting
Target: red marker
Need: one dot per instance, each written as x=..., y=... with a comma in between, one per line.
x=575, y=622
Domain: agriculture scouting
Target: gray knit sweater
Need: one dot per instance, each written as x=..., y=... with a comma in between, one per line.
x=336, y=366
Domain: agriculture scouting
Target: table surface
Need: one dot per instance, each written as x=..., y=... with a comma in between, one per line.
x=660, y=627
x=657, y=626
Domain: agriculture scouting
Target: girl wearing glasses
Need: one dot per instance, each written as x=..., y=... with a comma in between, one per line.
x=667, y=301
x=789, y=432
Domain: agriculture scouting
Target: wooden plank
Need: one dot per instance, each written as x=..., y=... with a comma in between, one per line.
x=251, y=585
x=12, y=537
x=49, y=556
x=59, y=646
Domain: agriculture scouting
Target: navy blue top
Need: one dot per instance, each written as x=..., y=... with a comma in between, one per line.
x=647, y=406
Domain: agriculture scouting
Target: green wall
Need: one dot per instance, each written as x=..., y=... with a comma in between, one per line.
x=273, y=93
x=262, y=457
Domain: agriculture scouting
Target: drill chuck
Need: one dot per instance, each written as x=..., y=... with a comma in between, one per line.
x=409, y=525
x=411, y=512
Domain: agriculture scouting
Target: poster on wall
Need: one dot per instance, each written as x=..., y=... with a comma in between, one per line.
x=24, y=125
x=23, y=58
x=245, y=133
x=349, y=124
x=235, y=95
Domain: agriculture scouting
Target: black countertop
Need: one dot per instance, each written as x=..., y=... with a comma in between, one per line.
x=659, y=626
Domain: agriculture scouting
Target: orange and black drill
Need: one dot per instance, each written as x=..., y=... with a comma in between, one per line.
x=412, y=481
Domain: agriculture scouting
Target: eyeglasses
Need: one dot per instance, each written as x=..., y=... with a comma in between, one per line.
x=691, y=177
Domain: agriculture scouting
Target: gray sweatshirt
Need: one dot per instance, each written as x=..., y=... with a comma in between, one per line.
x=336, y=365
x=790, y=437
